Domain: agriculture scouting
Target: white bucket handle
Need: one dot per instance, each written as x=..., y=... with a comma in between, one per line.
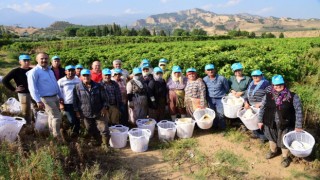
x=119, y=125
x=163, y=121
x=20, y=119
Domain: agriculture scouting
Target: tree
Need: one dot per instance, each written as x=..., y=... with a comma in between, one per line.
x=198, y=32
x=105, y=30
x=178, y=32
x=154, y=32
x=98, y=31
x=144, y=32
x=252, y=35
x=71, y=31
x=81, y=32
x=281, y=35
x=133, y=32
x=162, y=33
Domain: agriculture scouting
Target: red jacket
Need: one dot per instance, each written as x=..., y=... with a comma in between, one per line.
x=96, y=77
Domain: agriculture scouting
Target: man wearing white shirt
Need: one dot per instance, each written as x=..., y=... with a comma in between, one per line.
x=66, y=85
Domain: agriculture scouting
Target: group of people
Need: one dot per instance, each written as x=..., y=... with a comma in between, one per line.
x=104, y=97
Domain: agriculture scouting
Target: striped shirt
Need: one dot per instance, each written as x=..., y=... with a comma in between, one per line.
x=196, y=89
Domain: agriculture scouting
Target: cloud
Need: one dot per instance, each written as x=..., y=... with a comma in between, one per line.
x=230, y=3
x=25, y=7
x=264, y=10
x=207, y=7
x=94, y=1
x=131, y=11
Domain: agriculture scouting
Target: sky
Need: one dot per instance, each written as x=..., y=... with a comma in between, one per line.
x=302, y=9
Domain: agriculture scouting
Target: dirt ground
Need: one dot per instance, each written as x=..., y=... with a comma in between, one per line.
x=150, y=164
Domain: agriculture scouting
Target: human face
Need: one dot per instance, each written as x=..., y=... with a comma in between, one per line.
x=256, y=79
x=211, y=72
x=238, y=72
x=42, y=60
x=55, y=63
x=78, y=70
x=117, y=76
x=70, y=73
x=86, y=78
x=25, y=63
x=96, y=66
x=278, y=87
x=117, y=65
x=107, y=77
x=162, y=66
x=177, y=74
x=192, y=76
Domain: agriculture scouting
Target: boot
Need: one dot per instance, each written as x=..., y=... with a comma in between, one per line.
x=105, y=142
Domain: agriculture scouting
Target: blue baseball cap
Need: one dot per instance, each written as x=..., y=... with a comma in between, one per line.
x=55, y=57
x=209, y=66
x=176, y=69
x=85, y=71
x=117, y=71
x=69, y=67
x=24, y=57
x=256, y=73
x=157, y=70
x=137, y=70
x=191, y=70
x=79, y=66
x=106, y=71
x=144, y=61
x=163, y=60
x=146, y=65
x=277, y=79
x=236, y=66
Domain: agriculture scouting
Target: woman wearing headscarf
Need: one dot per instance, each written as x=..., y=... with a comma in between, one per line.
x=195, y=92
x=254, y=94
x=238, y=83
x=137, y=97
x=280, y=112
x=176, y=84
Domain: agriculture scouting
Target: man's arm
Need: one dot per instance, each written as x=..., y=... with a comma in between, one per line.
x=6, y=80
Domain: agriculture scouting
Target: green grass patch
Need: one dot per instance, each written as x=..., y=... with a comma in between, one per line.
x=302, y=175
x=228, y=157
x=235, y=136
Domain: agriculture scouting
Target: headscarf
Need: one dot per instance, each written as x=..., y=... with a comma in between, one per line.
x=281, y=96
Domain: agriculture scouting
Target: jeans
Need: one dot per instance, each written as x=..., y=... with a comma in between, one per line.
x=54, y=116
x=216, y=105
x=71, y=116
x=25, y=102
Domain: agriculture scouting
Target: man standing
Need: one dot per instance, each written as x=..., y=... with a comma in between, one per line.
x=44, y=90
x=217, y=87
x=66, y=85
x=79, y=67
x=117, y=65
x=20, y=78
x=90, y=104
x=56, y=67
x=114, y=97
x=96, y=74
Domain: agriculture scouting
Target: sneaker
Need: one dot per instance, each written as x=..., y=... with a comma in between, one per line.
x=285, y=162
x=271, y=154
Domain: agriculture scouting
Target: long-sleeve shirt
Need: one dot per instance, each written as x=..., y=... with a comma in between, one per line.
x=66, y=88
x=258, y=95
x=176, y=85
x=297, y=107
x=216, y=87
x=239, y=86
x=42, y=82
x=196, y=89
x=113, y=92
x=20, y=78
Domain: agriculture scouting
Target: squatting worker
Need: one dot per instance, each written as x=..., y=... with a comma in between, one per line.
x=45, y=91
x=20, y=78
x=96, y=74
x=217, y=87
x=280, y=113
x=91, y=104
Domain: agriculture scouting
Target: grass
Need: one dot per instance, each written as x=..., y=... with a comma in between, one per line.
x=235, y=136
x=302, y=175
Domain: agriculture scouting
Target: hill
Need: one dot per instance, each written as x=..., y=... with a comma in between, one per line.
x=221, y=23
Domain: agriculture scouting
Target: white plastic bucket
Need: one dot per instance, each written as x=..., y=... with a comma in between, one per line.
x=252, y=122
x=119, y=136
x=185, y=130
x=229, y=110
x=139, y=139
x=10, y=127
x=12, y=105
x=147, y=124
x=41, y=121
x=198, y=114
x=166, y=130
x=303, y=137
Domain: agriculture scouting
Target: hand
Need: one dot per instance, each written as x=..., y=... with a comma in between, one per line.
x=78, y=115
x=104, y=112
x=233, y=92
x=298, y=129
x=61, y=107
x=246, y=105
x=257, y=105
x=260, y=125
x=238, y=94
x=40, y=105
x=19, y=88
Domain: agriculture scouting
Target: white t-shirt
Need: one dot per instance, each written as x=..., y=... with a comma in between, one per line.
x=66, y=88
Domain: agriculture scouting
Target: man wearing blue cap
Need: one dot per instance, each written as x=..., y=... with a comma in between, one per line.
x=90, y=104
x=45, y=91
x=20, y=78
x=78, y=67
x=217, y=87
x=66, y=85
x=117, y=64
x=58, y=71
x=114, y=97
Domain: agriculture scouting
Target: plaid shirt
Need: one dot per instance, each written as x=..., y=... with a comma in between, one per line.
x=113, y=92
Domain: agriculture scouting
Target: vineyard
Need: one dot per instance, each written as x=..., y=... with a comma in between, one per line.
x=296, y=59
